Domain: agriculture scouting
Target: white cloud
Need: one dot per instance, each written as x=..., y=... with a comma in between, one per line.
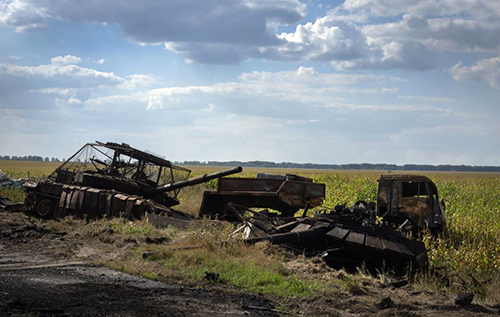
x=487, y=70
x=66, y=60
x=288, y=91
x=209, y=31
x=61, y=83
x=413, y=36
x=260, y=115
x=55, y=90
x=323, y=40
x=62, y=72
x=74, y=101
x=138, y=80
x=21, y=15
x=429, y=99
x=357, y=34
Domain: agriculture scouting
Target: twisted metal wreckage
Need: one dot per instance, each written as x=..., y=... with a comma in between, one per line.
x=117, y=180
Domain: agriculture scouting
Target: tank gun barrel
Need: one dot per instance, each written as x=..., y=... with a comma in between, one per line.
x=192, y=181
x=291, y=237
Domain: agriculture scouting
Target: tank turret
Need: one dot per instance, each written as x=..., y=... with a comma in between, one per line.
x=111, y=179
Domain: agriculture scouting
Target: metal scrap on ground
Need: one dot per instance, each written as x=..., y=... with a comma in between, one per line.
x=376, y=235
x=116, y=180
x=6, y=181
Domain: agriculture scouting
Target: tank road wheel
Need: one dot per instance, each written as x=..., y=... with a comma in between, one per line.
x=59, y=212
x=30, y=202
x=44, y=208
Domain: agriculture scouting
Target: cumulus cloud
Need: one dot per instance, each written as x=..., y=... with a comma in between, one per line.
x=356, y=34
x=62, y=72
x=138, y=80
x=289, y=91
x=229, y=28
x=487, y=70
x=323, y=40
x=259, y=115
x=412, y=36
x=61, y=83
x=21, y=15
x=66, y=60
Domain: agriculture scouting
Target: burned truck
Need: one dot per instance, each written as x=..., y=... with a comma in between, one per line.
x=111, y=179
x=381, y=235
x=284, y=193
x=411, y=201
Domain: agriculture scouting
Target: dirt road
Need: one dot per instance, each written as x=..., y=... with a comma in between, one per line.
x=37, y=279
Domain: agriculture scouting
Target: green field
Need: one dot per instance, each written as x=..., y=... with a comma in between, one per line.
x=471, y=246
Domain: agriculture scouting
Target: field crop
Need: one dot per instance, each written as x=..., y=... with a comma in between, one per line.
x=22, y=169
x=469, y=247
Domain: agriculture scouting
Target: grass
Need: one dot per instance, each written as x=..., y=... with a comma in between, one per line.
x=469, y=247
x=248, y=268
x=15, y=194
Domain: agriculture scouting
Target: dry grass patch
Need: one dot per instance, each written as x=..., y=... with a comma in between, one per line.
x=252, y=268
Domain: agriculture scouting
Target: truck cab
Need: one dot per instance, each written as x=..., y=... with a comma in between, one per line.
x=410, y=198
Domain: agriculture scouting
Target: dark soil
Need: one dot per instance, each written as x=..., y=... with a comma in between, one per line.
x=44, y=273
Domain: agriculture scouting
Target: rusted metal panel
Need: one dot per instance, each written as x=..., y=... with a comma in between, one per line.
x=93, y=195
x=81, y=198
x=129, y=205
x=109, y=204
x=74, y=200
x=286, y=194
x=138, y=209
x=62, y=200
x=302, y=226
x=355, y=238
x=103, y=197
x=119, y=202
x=338, y=233
x=231, y=185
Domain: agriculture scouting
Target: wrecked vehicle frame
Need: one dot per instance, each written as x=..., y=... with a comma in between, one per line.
x=112, y=180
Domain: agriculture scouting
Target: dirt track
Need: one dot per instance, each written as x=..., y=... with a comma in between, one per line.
x=37, y=279
x=46, y=273
x=93, y=291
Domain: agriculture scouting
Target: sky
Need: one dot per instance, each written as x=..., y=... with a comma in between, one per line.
x=375, y=81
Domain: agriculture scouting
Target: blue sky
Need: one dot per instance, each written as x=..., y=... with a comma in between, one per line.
x=350, y=81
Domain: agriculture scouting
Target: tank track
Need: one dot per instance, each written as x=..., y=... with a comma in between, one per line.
x=52, y=200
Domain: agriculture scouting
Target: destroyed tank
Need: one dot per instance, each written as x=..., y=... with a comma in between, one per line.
x=112, y=180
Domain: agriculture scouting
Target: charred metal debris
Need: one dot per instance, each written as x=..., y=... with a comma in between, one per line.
x=112, y=180
x=117, y=180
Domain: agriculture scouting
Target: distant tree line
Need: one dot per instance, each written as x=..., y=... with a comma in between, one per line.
x=265, y=164
x=29, y=158
x=362, y=166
